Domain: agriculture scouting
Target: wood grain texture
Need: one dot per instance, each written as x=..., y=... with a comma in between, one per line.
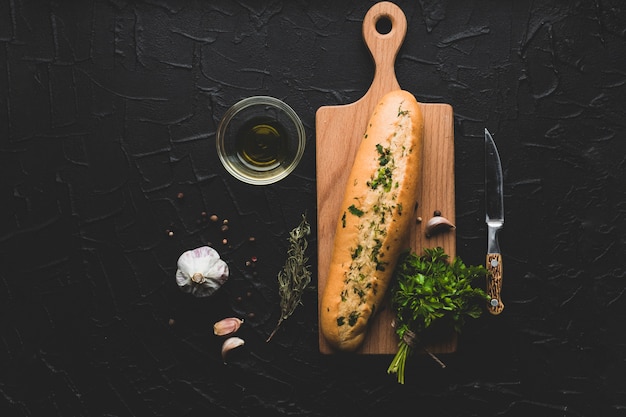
x=339, y=130
x=494, y=282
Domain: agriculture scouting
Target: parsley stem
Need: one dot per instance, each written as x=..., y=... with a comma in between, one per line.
x=398, y=363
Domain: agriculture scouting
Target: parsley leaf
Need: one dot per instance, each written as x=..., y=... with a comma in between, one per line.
x=355, y=210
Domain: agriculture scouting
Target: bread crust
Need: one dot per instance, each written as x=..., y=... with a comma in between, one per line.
x=374, y=219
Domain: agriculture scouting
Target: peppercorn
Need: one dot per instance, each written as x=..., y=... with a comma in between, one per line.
x=437, y=213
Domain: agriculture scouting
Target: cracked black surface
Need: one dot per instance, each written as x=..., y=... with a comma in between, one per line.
x=108, y=110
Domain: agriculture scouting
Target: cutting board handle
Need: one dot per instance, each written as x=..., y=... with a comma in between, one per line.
x=384, y=47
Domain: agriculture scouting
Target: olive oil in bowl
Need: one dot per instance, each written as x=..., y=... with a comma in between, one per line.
x=260, y=140
x=262, y=144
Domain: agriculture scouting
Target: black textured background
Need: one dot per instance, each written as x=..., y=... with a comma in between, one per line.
x=108, y=110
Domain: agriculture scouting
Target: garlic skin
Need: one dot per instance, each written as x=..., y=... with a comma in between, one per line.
x=201, y=272
x=227, y=326
x=230, y=344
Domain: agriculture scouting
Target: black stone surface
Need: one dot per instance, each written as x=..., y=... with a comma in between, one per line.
x=108, y=110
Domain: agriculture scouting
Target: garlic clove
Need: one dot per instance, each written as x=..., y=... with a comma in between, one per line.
x=227, y=326
x=201, y=272
x=230, y=344
x=438, y=224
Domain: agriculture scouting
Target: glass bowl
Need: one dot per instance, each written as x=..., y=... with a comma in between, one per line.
x=260, y=140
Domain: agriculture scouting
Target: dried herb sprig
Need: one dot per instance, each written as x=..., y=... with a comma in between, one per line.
x=295, y=275
x=432, y=289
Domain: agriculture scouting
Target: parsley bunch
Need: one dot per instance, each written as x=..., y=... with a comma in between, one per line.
x=429, y=289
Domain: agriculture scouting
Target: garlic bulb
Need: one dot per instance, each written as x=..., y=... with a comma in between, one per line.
x=201, y=272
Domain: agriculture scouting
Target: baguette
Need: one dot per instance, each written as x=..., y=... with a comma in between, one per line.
x=374, y=219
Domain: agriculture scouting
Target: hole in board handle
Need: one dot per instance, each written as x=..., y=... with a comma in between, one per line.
x=383, y=25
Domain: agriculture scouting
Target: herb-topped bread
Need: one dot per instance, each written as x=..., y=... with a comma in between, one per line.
x=375, y=217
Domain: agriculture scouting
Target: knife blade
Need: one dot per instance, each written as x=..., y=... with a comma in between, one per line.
x=494, y=217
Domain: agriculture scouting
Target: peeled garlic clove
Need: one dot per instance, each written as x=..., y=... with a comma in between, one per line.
x=438, y=224
x=201, y=272
x=230, y=344
x=227, y=326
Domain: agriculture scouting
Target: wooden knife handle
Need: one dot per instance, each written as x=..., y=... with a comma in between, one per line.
x=494, y=283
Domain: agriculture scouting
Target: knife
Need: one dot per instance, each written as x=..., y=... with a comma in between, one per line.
x=494, y=216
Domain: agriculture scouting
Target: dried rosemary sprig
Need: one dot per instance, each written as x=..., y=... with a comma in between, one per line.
x=294, y=277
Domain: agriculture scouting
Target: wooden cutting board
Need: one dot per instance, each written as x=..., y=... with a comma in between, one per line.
x=339, y=130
